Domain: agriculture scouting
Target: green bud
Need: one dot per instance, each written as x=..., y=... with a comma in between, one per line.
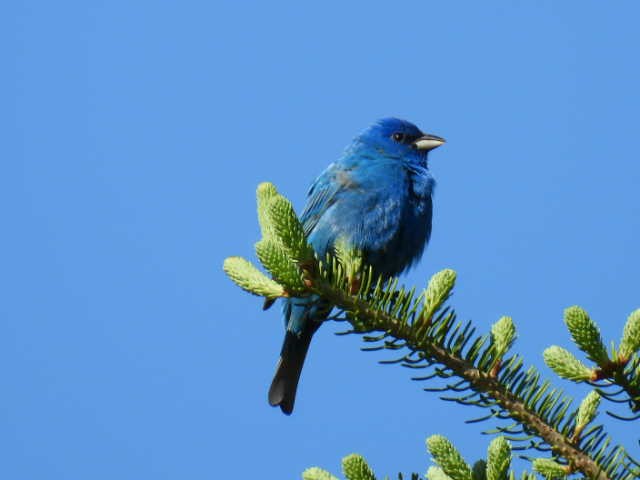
x=448, y=458
x=280, y=265
x=350, y=258
x=566, y=365
x=316, y=473
x=355, y=467
x=438, y=291
x=479, y=470
x=250, y=279
x=265, y=192
x=288, y=229
x=549, y=469
x=436, y=473
x=587, y=410
x=499, y=459
x=586, y=334
x=630, y=342
x=279, y=223
x=503, y=333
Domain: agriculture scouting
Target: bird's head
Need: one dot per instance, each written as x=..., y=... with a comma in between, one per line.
x=397, y=138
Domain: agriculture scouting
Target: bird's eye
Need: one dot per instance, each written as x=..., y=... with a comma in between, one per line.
x=398, y=137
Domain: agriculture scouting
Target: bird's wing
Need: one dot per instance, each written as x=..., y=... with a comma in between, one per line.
x=322, y=195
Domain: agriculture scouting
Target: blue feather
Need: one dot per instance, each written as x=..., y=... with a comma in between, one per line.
x=377, y=197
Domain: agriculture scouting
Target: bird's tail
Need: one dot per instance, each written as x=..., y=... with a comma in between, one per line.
x=285, y=381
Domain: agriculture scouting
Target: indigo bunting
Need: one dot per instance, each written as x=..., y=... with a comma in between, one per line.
x=377, y=198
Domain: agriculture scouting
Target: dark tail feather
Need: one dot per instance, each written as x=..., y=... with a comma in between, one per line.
x=285, y=382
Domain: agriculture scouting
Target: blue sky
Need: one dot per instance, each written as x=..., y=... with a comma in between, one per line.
x=135, y=135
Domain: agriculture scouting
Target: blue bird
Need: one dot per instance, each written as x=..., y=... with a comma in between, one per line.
x=377, y=198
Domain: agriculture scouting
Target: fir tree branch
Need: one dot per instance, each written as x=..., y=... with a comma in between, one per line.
x=621, y=369
x=434, y=338
x=481, y=381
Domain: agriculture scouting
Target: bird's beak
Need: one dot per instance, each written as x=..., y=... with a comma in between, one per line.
x=428, y=142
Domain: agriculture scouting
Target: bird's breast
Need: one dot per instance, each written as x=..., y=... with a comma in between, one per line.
x=391, y=221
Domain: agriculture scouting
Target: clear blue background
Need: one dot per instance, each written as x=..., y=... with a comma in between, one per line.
x=134, y=135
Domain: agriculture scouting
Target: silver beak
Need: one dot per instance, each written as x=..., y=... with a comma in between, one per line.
x=428, y=142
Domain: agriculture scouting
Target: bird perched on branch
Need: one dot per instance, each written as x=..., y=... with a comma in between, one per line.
x=377, y=198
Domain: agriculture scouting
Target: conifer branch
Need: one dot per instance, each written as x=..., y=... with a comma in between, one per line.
x=476, y=369
x=371, y=319
x=621, y=369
